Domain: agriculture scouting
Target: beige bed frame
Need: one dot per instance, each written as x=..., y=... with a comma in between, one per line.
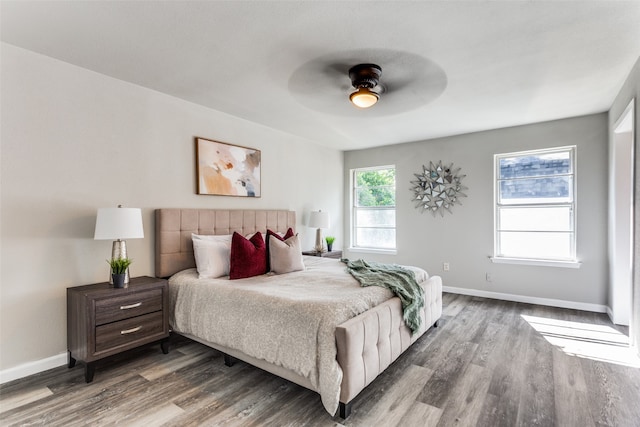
x=367, y=344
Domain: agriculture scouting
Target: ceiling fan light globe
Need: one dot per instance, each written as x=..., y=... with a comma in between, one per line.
x=363, y=98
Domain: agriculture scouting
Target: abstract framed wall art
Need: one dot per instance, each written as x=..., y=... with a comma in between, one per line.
x=227, y=170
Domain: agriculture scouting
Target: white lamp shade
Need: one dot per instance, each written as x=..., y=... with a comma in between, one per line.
x=119, y=223
x=319, y=219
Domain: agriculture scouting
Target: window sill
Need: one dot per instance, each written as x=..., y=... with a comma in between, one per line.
x=374, y=251
x=538, y=262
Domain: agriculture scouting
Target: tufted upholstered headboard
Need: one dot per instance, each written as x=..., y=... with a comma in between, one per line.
x=174, y=249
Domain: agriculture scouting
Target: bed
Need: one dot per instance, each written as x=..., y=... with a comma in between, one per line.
x=366, y=336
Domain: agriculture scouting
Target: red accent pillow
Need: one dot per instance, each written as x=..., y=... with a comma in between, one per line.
x=288, y=234
x=270, y=233
x=248, y=257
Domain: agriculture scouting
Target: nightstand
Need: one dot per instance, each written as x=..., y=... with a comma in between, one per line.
x=103, y=321
x=332, y=254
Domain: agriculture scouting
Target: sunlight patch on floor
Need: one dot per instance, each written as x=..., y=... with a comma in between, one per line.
x=596, y=342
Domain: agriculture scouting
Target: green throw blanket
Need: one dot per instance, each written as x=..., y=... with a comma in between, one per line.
x=400, y=281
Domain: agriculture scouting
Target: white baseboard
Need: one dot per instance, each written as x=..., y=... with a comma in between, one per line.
x=610, y=313
x=598, y=308
x=31, y=368
x=613, y=320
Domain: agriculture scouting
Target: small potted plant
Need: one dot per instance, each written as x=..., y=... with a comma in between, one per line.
x=119, y=268
x=330, y=240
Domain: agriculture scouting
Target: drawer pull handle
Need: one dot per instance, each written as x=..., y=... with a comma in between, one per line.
x=127, y=307
x=130, y=331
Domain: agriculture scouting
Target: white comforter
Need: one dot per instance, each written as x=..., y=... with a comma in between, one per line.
x=288, y=320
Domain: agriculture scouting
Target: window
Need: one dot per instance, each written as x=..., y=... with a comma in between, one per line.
x=374, y=208
x=535, y=205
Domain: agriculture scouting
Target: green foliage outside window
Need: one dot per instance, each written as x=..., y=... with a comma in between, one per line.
x=376, y=187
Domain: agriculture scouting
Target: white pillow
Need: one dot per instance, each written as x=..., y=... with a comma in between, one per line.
x=217, y=237
x=212, y=255
x=285, y=257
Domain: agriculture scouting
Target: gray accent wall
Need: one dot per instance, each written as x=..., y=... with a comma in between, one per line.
x=464, y=239
x=631, y=90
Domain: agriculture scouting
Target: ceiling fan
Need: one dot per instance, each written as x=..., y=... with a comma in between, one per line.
x=333, y=83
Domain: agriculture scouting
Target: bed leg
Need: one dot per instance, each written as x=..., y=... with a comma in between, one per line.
x=437, y=323
x=228, y=360
x=164, y=345
x=344, y=410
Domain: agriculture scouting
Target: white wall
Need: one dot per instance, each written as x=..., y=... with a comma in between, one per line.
x=464, y=239
x=621, y=220
x=74, y=140
x=631, y=90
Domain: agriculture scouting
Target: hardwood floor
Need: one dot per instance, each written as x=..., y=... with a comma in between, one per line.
x=490, y=363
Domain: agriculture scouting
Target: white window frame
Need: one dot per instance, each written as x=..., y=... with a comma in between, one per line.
x=570, y=261
x=354, y=211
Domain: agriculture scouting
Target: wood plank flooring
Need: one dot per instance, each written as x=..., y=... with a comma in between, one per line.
x=486, y=365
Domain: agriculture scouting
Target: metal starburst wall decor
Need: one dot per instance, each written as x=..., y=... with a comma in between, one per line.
x=438, y=188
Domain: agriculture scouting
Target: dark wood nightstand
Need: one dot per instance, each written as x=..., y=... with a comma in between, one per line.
x=332, y=254
x=103, y=321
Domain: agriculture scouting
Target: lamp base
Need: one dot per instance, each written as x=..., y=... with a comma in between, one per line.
x=319, y=247
x=119, y=250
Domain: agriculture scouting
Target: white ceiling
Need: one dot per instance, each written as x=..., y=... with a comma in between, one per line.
x=451, y=67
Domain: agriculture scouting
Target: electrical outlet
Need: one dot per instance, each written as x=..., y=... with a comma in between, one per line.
x=489, y=277
x=445, y=266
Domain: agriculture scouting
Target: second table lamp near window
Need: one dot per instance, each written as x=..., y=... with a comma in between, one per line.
x=319, y=220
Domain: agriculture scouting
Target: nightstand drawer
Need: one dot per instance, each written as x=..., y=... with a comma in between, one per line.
x=129, y=331
x=126, y=306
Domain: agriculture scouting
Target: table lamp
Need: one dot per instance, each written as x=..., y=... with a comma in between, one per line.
x=319, y=220
x=118, y=224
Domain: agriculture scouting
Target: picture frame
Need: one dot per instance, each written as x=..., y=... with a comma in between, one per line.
x=224, y=169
